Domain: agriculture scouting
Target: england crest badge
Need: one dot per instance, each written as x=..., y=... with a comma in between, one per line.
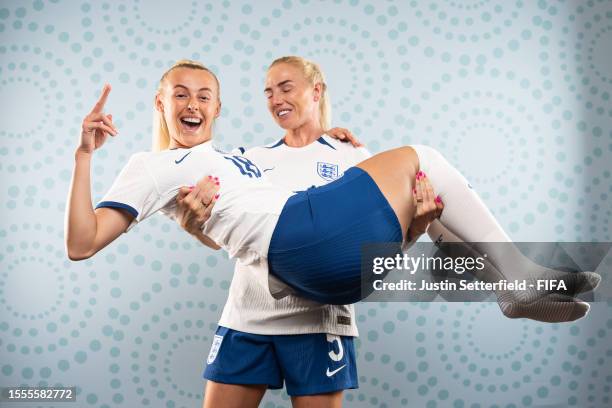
x=327, y=171
x=214, y=349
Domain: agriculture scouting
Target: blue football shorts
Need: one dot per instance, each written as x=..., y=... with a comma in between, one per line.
x=308, y=364
x=317, y=242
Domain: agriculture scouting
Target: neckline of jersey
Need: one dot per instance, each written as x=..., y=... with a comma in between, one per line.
x=199, y=146
x=310, y=145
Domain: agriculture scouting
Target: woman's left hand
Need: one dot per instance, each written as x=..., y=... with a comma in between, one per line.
x=428, y=206
x=194, y=204
x=344, y=135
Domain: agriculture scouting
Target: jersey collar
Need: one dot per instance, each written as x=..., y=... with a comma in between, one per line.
x=281, y=142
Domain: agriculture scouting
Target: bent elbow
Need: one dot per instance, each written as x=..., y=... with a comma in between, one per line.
x=78, y=255
x=74, y=256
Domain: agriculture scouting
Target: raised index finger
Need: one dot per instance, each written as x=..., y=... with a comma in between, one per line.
x=99, y=106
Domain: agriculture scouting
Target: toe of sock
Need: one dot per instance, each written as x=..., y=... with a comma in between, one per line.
x=588, y=281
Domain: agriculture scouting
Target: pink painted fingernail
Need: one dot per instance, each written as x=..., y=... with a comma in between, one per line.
x=209, y=177
x=216, y=183
x=423, y=174
x=191, y=188
x=217, y=196
x=414, y=190
x=438, y=199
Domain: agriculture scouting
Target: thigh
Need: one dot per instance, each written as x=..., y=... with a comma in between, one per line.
x=329, y=400
x=394, y=172
x=232, y=395
x=317, y=365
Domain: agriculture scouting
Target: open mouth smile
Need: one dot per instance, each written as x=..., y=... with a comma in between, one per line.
x=191, y=123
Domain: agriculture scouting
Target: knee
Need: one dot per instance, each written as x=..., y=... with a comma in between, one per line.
x=410, y=157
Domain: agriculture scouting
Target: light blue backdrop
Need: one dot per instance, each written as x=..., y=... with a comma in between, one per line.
x=515, y=93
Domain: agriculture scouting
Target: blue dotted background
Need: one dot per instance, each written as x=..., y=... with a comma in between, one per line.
x=515, y=93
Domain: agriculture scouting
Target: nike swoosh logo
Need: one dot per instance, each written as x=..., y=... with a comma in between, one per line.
x=271, y=168
x=182, y=158
x=330, y=373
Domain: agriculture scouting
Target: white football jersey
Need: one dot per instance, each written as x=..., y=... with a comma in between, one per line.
x=250, y=307
x=243, y=219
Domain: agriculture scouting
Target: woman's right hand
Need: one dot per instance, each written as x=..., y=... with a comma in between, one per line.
x=428, y=207
x=344, y=135
x=97, y=125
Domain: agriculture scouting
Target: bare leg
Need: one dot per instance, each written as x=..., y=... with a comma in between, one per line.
x=329, y=400
x=232, y=395
x=394, y=172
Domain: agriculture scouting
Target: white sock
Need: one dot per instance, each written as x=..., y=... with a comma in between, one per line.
x=466, y=218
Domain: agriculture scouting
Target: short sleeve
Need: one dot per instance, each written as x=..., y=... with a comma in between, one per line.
x=361, y=154
x=133, y=191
